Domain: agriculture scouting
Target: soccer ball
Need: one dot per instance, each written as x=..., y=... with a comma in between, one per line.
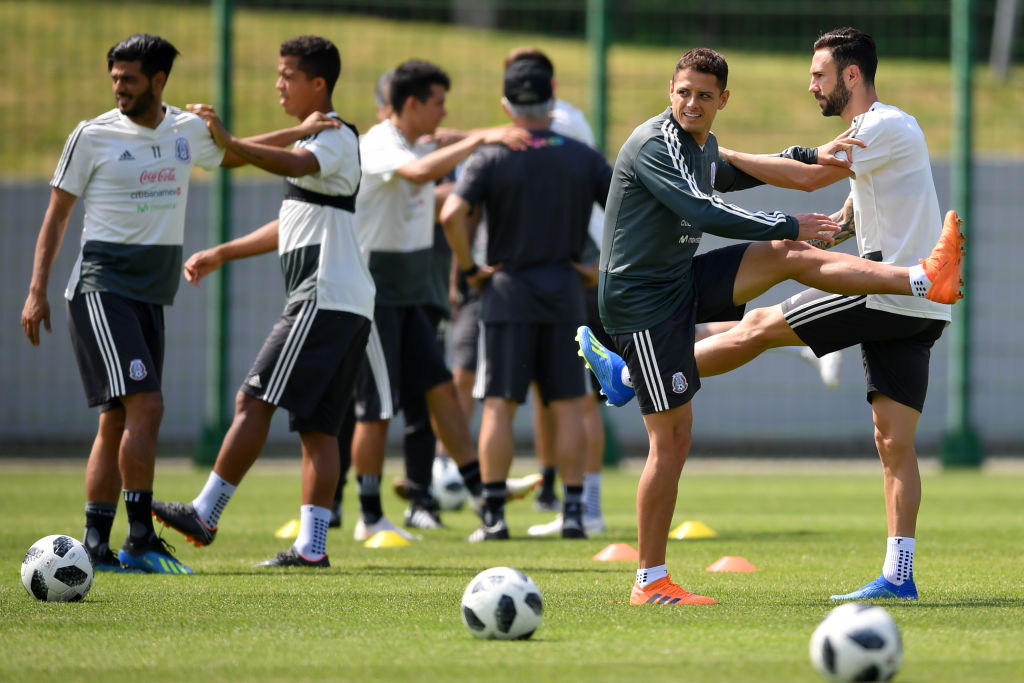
x=449, y=489
x=57, y=568
x=503, y=604
x=857, y=642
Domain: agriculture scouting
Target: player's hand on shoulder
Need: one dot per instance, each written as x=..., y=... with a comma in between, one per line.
x=36, y=310
x=213, y=123
x=816, y=226
x=201, y=264
x=839, y=151
x=316, y=122
x=513, y=137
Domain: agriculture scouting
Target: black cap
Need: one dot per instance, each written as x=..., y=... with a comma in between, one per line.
x=527, y=82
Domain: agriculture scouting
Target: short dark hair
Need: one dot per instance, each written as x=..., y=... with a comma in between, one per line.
x=414, y=78
x=532, y=54
x=318, y=58
x=850, y=46
x=155, y=53
x=706, y=61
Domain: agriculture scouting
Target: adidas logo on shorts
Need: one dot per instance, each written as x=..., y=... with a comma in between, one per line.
x=254, y=382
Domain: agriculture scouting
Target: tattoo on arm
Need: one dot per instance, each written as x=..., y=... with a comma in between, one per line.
x=847, y=227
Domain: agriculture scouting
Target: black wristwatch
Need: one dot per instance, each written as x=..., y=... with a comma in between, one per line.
x=471, y=271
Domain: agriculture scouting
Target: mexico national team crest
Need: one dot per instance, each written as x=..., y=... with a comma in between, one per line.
x=679, y=383
x=182, y=150
x=137, y=370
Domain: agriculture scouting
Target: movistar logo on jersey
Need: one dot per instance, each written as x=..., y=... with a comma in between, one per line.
x=689, y=239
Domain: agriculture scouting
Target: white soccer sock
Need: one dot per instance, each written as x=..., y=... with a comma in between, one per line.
x=645, y=576
x=624, y=376
x=919, y=282
x=312, y=540
x=899, y=560
x=212, y=499
x=592, y=495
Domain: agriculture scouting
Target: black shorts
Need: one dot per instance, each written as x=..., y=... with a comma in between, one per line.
x=308, y=365
x=660, y=359
x=403, y=357
x=466, y=336
x=118, y=344
x=895, y=348
x=516, y=354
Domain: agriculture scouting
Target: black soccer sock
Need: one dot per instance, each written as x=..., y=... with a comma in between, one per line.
x=494, y=502
x=99, y=517
x=369, y=497
x=348, y=425
x=138, y=503
x=572, y=505
x=471, y=477
x=547, y=486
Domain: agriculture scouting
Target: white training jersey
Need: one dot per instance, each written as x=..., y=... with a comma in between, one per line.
x=395, y=216
x=317, y=242
x=569, y=121
x=134, y=181
x=895, y=206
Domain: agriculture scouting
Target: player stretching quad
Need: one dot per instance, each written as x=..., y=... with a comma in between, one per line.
x=897, y=215
x=653, y=289
x=131, y=165
x=308, y=363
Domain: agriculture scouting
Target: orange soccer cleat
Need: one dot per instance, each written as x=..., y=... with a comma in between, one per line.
x=664, y=592
x=945, y=265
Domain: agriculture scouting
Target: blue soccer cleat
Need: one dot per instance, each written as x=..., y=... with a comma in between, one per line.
x=152, y=555
x=882, y=589
x=606, y=365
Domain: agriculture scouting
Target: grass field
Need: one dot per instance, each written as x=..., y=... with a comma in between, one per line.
x=54, y=50
x=393, y=614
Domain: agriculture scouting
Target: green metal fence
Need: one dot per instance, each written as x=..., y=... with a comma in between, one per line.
x=54, y=53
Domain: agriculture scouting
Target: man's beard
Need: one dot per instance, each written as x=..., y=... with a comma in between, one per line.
x=836, y=101
x=142, y=103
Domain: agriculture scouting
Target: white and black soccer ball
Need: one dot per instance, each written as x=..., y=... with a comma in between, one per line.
x=449, y=490
x=57, y=568
x=857, y=642
x=502, y=603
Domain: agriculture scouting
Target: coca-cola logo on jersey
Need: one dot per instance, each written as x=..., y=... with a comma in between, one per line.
x=161, y=176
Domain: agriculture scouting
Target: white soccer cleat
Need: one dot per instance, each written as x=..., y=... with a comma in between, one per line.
x=592, y=525
x=364, y=531
x=827, y=366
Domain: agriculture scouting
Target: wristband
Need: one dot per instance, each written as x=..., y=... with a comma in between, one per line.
x=471, y=271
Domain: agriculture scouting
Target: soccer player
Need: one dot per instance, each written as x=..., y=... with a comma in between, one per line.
x=131, y=165
x=308, y=363
x=538, y=205
x=897, y=215
x=396, y=213
x=653, y=288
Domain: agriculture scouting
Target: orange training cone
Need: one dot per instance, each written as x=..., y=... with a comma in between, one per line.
x=731, y=563
x=618, y=552
x=692, y=530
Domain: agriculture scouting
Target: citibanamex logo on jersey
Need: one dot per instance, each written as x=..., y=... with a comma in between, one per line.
x=137, y=370
x=162, y=175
